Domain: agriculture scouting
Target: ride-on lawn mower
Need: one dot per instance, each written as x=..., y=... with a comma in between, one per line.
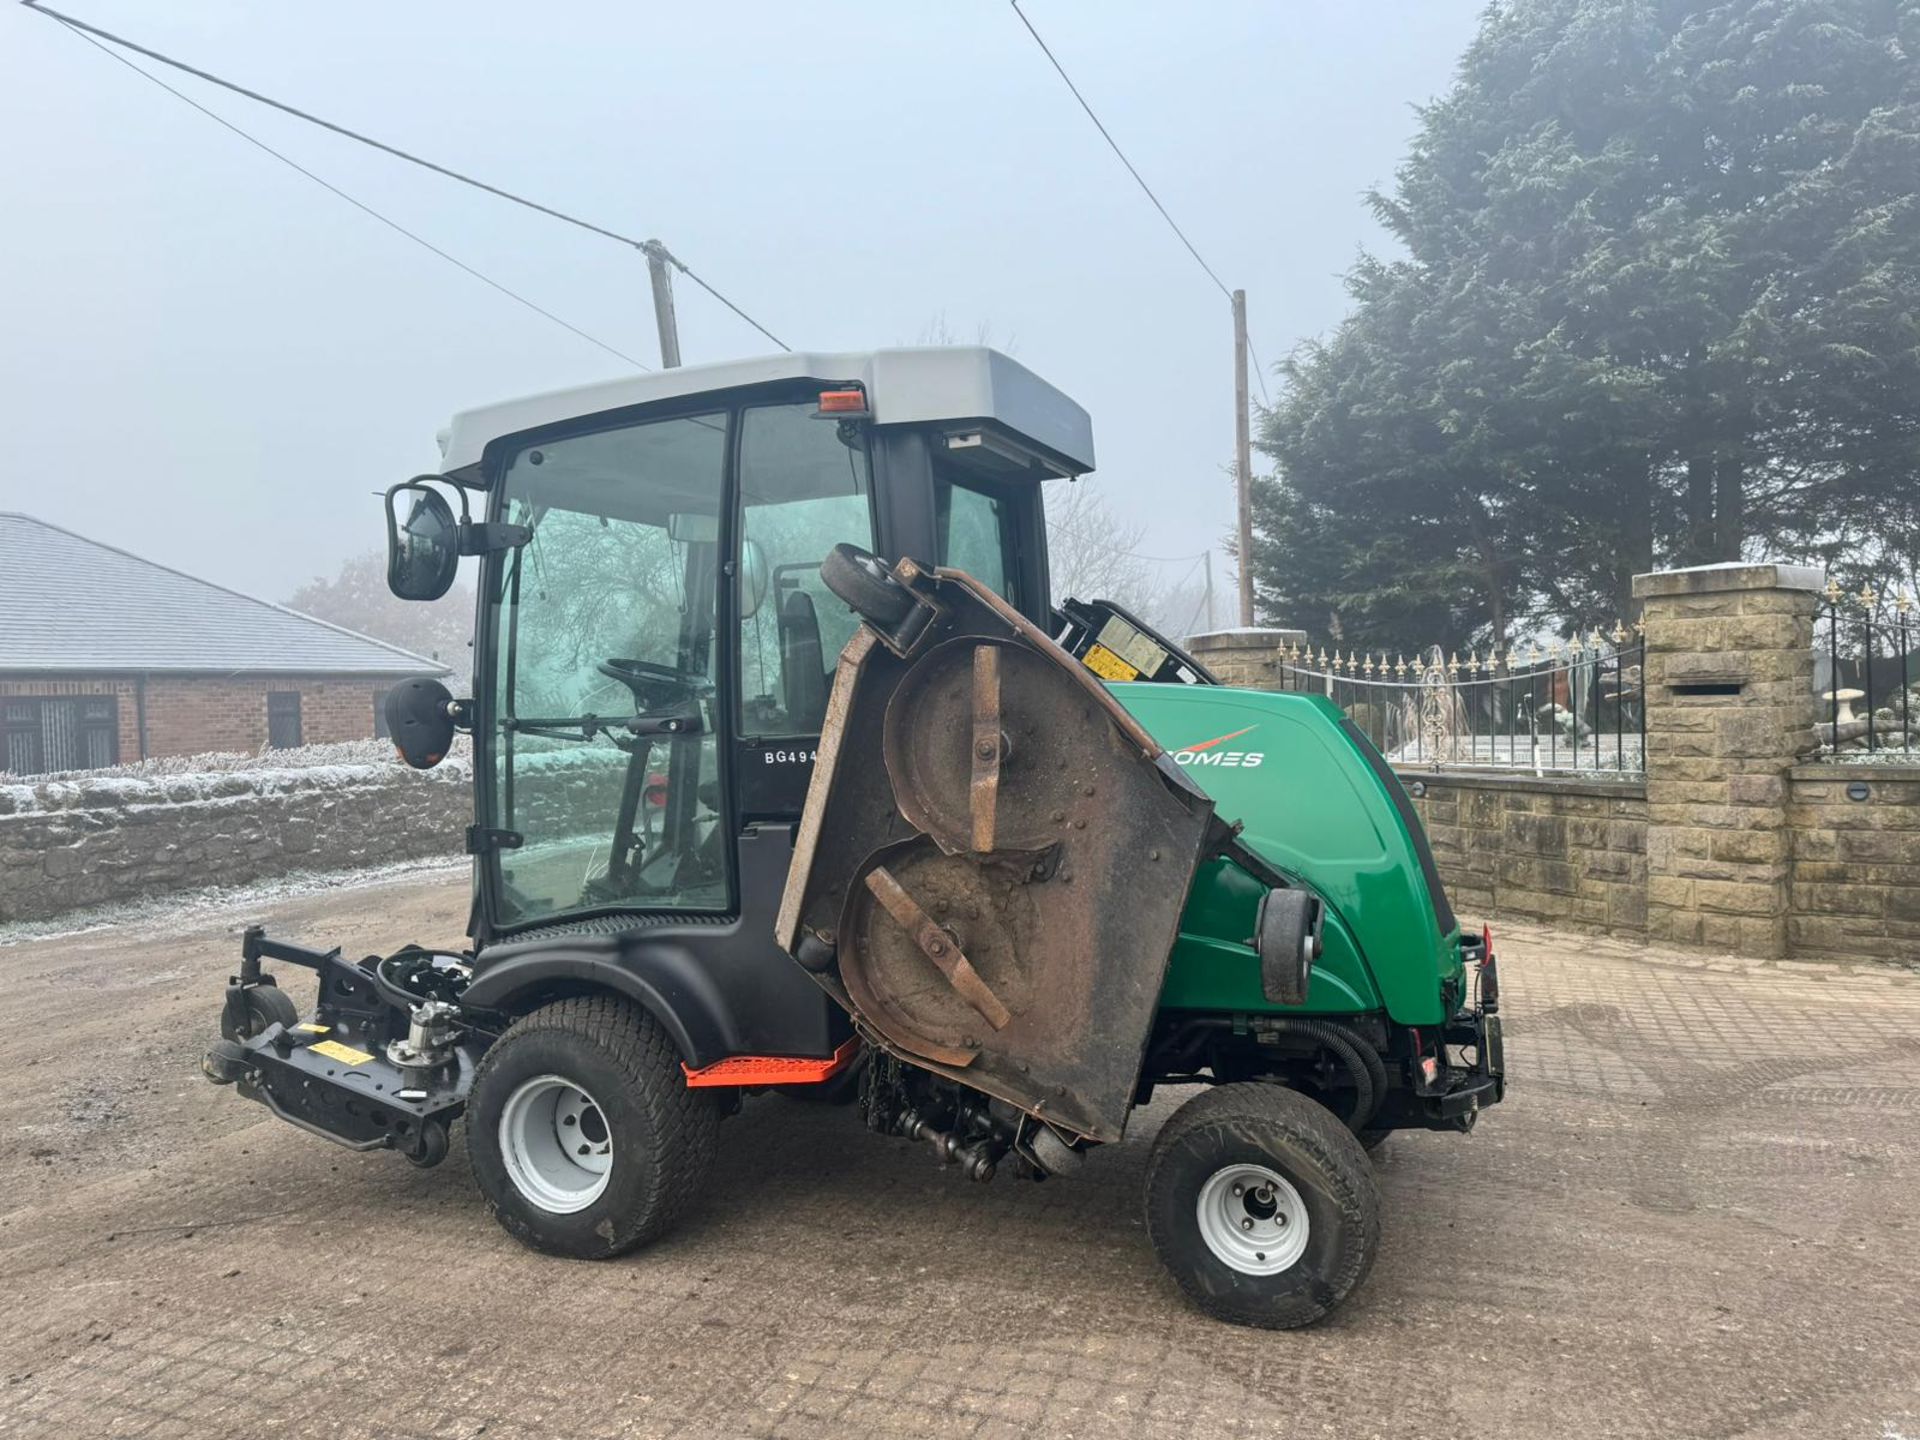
x=994, y=874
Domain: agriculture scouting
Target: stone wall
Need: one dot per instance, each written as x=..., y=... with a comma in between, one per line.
x=67, y=845
x=1562, y=851
x=1247, y=658
x=1729, y=696
x=1731, y=842
x=1855, y=833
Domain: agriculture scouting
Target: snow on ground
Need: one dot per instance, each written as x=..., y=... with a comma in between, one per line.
x=215, y=762
x=239, y=901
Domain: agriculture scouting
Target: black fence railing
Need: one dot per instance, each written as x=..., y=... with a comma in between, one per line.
x=1577, y=705
x=1869, y=692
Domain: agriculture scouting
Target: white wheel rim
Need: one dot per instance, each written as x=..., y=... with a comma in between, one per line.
x=1252, y=1219
x=554, y=1139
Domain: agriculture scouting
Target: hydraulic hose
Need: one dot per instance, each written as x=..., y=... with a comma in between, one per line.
x=1361, y=1059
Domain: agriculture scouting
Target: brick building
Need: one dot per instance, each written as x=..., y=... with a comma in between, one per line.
x=107, y=658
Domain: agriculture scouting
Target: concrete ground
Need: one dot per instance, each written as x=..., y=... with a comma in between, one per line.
x=1695, y=1216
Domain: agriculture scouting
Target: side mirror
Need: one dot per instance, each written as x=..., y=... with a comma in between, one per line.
x=754, y=578
x=419, y=720
x=423, y=550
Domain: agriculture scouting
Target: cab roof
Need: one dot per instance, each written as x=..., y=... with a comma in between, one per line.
x=920, y=385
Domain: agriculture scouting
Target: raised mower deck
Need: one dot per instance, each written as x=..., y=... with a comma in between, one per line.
x=959, y=897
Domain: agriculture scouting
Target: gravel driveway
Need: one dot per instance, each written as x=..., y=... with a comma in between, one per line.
x=1697, y=1215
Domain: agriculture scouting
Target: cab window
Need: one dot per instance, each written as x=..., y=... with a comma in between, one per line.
x=803, y=489
x=974, y=533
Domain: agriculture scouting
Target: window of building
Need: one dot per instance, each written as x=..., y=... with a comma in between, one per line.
x=43, y=734
x=283, y=719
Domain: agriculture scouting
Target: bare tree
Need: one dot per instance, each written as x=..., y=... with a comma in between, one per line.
x=358, y=599
x=1092, y=553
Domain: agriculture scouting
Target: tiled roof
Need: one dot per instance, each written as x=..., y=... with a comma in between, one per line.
x=69, y=604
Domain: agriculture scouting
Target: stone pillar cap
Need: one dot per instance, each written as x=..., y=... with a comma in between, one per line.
x=1729, y=575
x=1245, y=637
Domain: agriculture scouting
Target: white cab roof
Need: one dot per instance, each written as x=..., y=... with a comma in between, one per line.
x=904, y=387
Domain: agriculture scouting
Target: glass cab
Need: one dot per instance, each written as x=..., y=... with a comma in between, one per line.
x=656, y=649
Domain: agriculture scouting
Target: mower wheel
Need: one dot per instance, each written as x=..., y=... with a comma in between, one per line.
x=860, y=578
x=583, y=1133
x=266, y=1005
x=1262, y=1205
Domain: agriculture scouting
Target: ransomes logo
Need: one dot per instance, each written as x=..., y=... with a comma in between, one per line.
x=1207, y=752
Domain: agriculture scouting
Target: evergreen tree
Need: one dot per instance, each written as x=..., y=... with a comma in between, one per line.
x=1659, y=304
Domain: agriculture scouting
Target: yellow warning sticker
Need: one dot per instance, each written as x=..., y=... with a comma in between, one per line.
x=1107, y=665
x=307, y=1027
x=345, y=1054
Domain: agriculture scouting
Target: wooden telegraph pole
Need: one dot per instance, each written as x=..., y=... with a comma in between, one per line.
x=1243, y=455
x=663, y=315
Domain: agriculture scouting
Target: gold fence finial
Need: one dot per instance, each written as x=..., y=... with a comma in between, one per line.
x=1866, y=597
x=1400, y=667
x=1619, y=632
x=1903, y=602
x=1834, y=592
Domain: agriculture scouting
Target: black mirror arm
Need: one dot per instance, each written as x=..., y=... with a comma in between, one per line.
x=483, y=537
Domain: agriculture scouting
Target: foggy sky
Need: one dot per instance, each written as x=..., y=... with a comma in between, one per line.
x=210, y=361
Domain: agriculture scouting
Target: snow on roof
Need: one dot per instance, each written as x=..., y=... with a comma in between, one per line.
x=73, y=605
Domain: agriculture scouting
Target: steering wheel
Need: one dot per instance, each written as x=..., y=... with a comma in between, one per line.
x=653, y=686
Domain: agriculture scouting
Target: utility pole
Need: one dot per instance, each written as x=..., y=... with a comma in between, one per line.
x=1209, y=587
x=1243, y=455
x=662, y=277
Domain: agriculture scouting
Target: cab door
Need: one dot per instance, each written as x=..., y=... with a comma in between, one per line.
x=804, y=487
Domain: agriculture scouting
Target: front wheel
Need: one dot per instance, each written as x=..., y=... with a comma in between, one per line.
x=584, y=1137
x=1262, y=1206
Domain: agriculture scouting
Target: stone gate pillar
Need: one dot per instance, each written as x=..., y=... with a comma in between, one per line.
x=1729, y=695
x=1247, y=658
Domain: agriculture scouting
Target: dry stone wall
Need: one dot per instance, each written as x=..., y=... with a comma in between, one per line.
x=66, y=845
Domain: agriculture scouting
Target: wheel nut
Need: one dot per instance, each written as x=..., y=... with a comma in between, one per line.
x=1246, y=1224
x=1239, y=1190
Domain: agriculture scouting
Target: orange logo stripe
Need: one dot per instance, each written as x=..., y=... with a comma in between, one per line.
x=1219, y=739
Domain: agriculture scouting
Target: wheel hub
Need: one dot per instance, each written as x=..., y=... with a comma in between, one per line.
x=1252, y=1219
x=555, y=1144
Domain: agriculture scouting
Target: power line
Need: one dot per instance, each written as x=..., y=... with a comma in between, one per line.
x=396, y=152
x=1114, y=145
x=360, y=205
x=1087, y=539
x=1138, y=179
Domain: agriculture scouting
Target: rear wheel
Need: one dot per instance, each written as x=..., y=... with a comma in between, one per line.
x=1262, y=1206
x=584, y=1136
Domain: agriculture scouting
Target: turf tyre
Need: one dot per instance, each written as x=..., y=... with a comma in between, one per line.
x=1264, y=1125
x=662, y=1133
